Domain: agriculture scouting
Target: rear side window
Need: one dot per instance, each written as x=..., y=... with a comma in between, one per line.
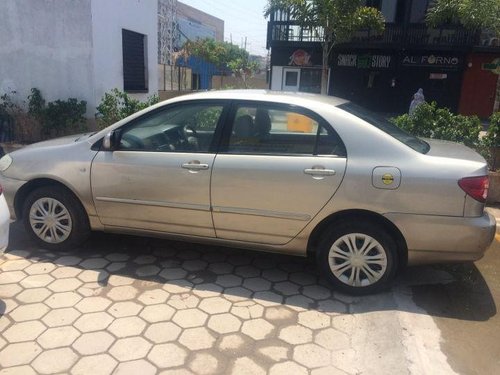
x=383, y=124
x=274, y=130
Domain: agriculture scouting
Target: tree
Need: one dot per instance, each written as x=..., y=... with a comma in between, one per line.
x=223, y=55
x=333, y=21
x=473, y=14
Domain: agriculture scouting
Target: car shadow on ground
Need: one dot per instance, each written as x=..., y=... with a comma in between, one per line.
x=457, y=292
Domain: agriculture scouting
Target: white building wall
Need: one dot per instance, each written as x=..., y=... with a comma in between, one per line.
x=46, y=44
x=276, y=78
x=72, y=49
x=109, y=17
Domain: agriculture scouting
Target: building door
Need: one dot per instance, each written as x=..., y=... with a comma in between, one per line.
x=479, y=86
x=291, y=79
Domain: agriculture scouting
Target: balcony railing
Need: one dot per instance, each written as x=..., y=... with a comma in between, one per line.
x=413, y=35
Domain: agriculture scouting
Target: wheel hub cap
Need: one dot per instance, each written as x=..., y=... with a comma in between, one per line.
x=357, y=259
x=50, y=220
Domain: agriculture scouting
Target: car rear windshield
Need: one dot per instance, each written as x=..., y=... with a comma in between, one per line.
x=386, y=126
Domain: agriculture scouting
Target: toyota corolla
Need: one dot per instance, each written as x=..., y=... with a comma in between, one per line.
x=300, y=174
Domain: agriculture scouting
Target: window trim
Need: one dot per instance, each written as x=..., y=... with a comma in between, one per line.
x=231, y=117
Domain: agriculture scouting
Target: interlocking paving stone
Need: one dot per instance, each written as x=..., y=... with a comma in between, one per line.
x=19, y=354
x=296, y=335
x=130, y=348
x=10, y=290
x=101, y=364
x=140, y=366
x=204, y=364
x=93, y=322
x=247, y=366
x=64, y=299
x=10, y=277
x=121, y=309
x=197, y=338
x=224, y=323
x=31, y=295
x=175, y=309
x=163, y=332
x=25, y=331
x=55, y=361
x=58, y=337
x=29, y=312
x=168, y=355
x=129, y=326
x=257, y=329
x=93, y=343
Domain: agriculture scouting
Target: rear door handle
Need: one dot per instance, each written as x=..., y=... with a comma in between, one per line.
x=195, y=165
x=319, y=172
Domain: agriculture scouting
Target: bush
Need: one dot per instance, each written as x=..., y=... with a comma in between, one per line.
x=116, y=105
x=491, y=142
x=57, y=118
x=429, y=121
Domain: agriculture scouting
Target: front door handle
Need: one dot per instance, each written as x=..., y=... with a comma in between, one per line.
x=195, y=165
x=319, y=172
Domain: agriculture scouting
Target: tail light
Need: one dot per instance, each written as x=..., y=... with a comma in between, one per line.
x=476, y=187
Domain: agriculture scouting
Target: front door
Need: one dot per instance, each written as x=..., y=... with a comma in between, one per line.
x=291, y=79
x=278, y=169
x=159, y=178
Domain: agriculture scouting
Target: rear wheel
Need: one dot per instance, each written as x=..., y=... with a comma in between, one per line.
x=55, y=219
x=358, y=258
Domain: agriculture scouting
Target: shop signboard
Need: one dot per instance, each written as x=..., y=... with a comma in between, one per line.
x=433, y=60
x=364, y=61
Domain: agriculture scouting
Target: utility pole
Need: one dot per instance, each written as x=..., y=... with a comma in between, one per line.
x=245, y=43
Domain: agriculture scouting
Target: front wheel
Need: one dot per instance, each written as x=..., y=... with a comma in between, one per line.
x=358, y=258
x=55, y=219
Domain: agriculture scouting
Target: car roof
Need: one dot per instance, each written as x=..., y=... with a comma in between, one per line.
x=297, y=98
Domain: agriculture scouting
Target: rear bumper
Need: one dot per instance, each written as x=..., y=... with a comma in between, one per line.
x=438, y=239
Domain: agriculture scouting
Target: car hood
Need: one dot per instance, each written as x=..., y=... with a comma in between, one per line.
x=452, y=150
x=60, y=141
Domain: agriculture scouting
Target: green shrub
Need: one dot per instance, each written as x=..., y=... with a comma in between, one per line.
x=57, y=118
x=492, y=138
x=116, y=105
x=62, y=117
x=429, y=121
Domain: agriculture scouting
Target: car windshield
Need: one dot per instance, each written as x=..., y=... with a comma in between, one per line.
x=386, y=126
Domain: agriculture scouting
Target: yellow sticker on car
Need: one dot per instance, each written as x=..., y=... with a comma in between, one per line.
x=387, y=179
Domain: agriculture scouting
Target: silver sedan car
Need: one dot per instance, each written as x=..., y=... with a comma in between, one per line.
x=299, y=174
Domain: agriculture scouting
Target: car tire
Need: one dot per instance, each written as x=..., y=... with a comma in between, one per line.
x=358, y=258
x=55, y=219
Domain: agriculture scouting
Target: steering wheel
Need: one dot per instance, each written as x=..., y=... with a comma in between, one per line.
x=129, y=141
x=190, y=137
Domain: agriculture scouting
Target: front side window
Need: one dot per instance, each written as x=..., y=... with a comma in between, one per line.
x=268, y=130
x=179, y=128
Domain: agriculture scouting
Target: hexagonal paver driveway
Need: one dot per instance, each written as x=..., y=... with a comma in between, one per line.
x=128, y=305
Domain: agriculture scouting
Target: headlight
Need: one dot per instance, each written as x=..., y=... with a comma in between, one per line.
x=5, y=162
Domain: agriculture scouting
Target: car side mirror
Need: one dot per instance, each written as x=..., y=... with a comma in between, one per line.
x=110, y=141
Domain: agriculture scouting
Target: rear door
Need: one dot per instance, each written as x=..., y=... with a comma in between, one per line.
x=278, y=166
